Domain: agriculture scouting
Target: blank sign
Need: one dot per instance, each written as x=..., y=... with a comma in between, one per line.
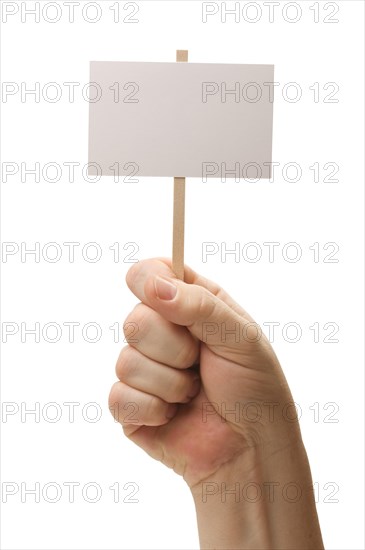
x=180, y=119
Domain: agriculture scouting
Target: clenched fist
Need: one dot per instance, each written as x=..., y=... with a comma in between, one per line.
x=201, y=375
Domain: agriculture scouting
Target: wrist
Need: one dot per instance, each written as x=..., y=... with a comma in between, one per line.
x=261, y=500
x=225, y=518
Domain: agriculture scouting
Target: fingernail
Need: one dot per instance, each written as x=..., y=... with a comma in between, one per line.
x=171, y=410
x=164, y=289
x=195, y=388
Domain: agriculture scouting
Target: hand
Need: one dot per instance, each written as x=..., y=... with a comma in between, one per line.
x=206, y=384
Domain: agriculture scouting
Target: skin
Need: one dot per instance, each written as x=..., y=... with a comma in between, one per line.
x=210, y=400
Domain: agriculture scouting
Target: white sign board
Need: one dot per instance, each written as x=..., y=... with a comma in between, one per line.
x=180, y=119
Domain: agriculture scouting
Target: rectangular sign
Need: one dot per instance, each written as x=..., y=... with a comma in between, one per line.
x=180, y=119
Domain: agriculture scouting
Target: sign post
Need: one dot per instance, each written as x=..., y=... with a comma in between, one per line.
x=180, y=120
x=179, y=209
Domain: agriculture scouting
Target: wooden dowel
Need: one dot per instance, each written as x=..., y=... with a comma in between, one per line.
x=179, y=209
x=178, y=228
x=182, y=55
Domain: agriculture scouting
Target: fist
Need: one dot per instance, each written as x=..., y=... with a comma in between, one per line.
x=196, y=360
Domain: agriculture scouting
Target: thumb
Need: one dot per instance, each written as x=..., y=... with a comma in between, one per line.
x=205, y=315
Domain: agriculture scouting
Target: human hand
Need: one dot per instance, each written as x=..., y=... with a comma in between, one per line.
x=198, y=373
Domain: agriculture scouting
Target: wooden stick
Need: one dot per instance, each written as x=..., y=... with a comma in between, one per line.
x=178, y=228
x=182, y=55
x=179, y=209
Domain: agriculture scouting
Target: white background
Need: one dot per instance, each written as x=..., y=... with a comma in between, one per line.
x=303, y=292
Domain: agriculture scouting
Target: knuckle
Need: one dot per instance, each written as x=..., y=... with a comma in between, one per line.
x=114, y=395
x=205, y=305
x=177, y=387
x=122, y=408
x=126, y=363
x=130, y=275
x=186, y=356
x=137, y=318
x=153, y=407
